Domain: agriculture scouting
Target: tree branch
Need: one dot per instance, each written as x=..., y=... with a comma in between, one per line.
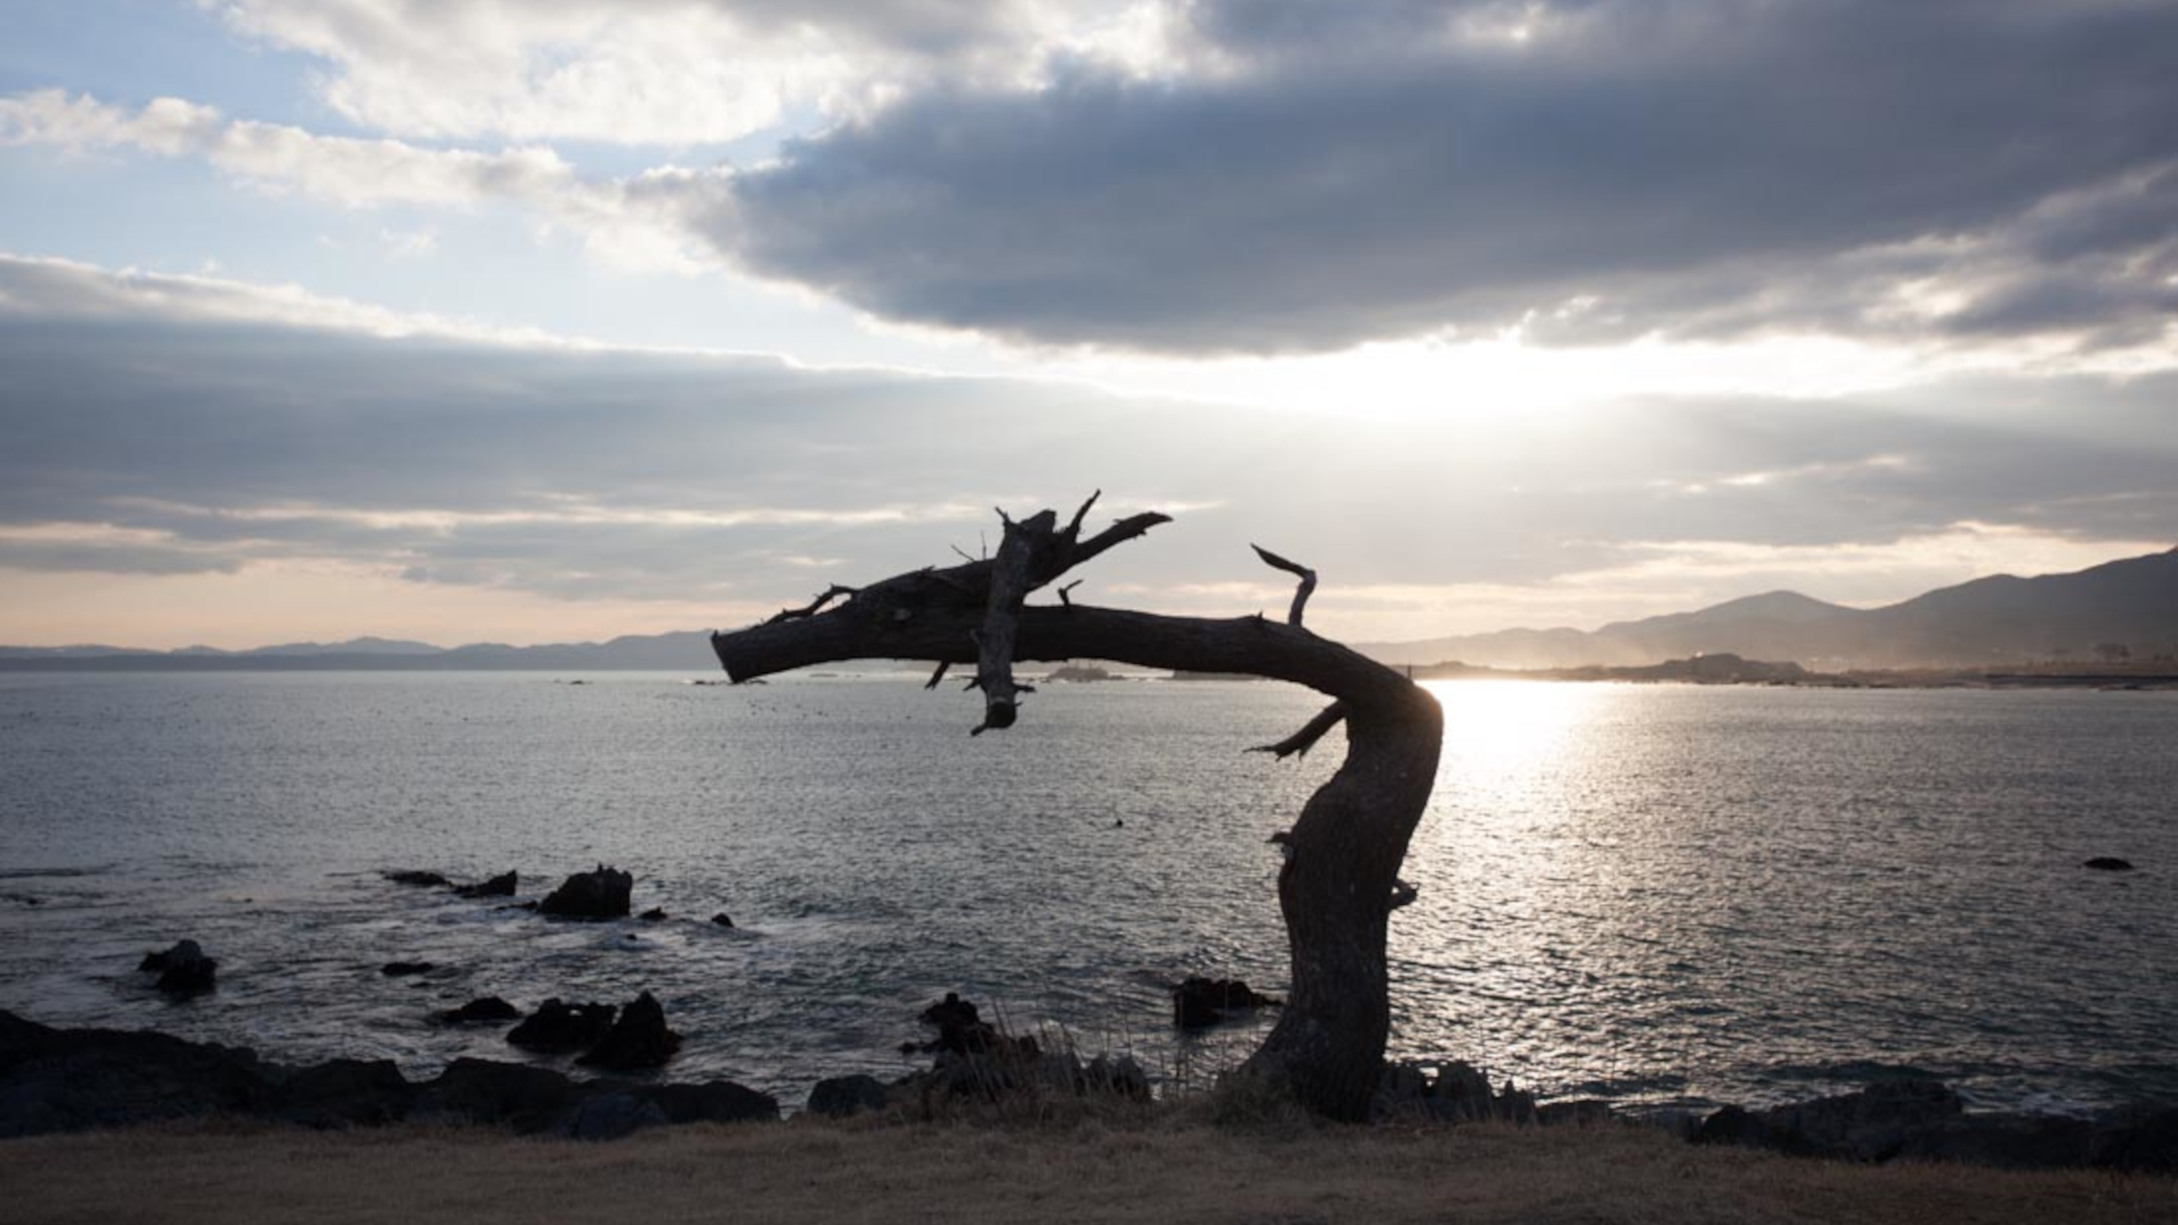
x=811, y=609
x=1308, y=580
x=1002, y=614
x=1299, y=743
x=866, y=629
x=1073, y=529
x=943, y=615
x=1119, y=533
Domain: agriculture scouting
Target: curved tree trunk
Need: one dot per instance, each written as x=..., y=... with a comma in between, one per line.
x=1340, y=881
x=1337, y=891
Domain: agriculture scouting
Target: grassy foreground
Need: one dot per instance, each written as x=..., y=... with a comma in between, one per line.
x=816, y=1174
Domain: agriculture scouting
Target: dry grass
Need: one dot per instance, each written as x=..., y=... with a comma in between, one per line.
x=816, y=1174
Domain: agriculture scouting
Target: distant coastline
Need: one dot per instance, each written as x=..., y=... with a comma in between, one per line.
x=2113, y=624
x=1728, y=669
x=1722, y=668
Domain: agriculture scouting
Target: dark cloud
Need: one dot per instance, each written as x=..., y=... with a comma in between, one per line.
x=170, y=445
x=1638, y=166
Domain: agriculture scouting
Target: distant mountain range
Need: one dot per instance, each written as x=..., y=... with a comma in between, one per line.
x=1989, y=622
x=688, y=651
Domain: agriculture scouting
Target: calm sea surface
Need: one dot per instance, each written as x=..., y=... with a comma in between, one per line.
x=1661, y=895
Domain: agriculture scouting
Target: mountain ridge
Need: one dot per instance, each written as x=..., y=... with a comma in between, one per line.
x=1995, y=620
x=1992, y=621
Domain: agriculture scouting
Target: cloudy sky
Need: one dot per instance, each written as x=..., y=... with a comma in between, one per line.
x=542, y=320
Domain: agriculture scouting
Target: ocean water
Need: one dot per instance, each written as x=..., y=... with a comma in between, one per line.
x=1660, y=895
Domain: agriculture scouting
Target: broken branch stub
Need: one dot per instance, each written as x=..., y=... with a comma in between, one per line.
x=1307, y=577
x=1299, y=743
x=814, y=606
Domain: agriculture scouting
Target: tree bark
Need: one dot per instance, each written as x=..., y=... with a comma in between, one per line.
x=1337, y=888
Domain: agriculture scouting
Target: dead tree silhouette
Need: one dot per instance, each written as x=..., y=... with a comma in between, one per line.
x=1340, y=881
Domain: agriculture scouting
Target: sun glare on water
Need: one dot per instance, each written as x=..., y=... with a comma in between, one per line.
x=1501, y=729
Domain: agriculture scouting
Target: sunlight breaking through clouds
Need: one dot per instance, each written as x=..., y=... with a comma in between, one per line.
x=1505, y=311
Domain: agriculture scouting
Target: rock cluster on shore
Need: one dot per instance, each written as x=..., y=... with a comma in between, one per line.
x=1924, y=1120
x=976, y=1060
x=1458, y=1093
x=55, y=1080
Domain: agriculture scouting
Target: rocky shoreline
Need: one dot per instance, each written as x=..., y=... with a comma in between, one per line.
x=65, y=1080
x=69, y=1080
x=1901, y=1119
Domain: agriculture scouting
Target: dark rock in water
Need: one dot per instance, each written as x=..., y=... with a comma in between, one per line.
x=639, y=1039
x=411, y=876
x=2108, y=863
x=520, y=906
x=488, y=1008
x=598, y=894
x=839, y=1096
x=183, y=970
x=653, y=915
x=722, y=919
x=560, y=1026
x=1200, y=1002
x=952, y=1010
x=344, y=1093
x=961, y=1029
x=501, y=885
x=395, y=969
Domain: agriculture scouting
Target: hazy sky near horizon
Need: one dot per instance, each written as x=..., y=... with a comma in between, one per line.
x=540, y=320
